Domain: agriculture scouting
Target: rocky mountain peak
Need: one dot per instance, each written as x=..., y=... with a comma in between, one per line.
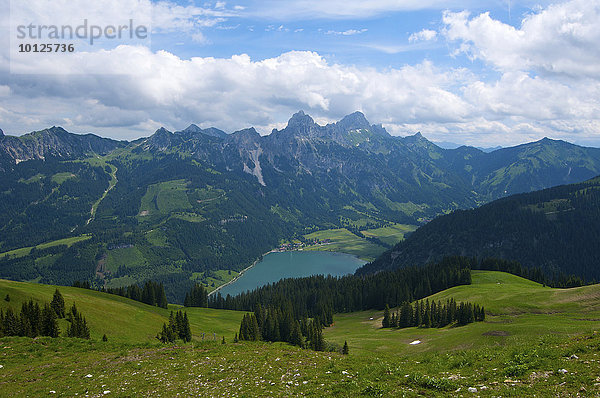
x=300, y=120
x=162, y=131
x=1, y=133
x=192, y=128
x=356, y=120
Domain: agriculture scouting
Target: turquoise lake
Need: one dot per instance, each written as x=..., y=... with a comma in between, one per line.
x=293, y=264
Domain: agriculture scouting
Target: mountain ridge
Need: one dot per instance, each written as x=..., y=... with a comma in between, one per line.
x=195, y=201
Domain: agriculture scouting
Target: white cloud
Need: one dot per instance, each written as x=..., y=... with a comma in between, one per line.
x=349, y=32
x=424, y=35
x=560, y=39
x=544, y=82
x=233, y=93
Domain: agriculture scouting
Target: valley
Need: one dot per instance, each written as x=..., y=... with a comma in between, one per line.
x=180, y=207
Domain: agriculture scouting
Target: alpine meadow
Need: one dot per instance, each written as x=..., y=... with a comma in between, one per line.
x=378, y=199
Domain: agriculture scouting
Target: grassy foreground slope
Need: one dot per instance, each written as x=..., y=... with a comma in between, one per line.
x=536, y=341
x=517, y=310
x=121, y=319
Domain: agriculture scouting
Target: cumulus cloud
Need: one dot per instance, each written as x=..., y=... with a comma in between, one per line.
x=544, y=81
x=424, y=35
x=237, y=91
x=233, y=93
x=560, y=39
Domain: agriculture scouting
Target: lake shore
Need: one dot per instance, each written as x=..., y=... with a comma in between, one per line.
x=277, y=264
x=238, y=276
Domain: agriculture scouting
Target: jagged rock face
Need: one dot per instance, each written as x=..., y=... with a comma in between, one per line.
x=348, y=156
x=354, y=153
x=55, y=142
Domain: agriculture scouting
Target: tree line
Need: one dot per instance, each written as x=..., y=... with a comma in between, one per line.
x=197, y=297
x=319, y=297
x=428, y=314
x=279, y=324
x=177, y=328
x=152, y=293
x=34, y=320
x=296, y=310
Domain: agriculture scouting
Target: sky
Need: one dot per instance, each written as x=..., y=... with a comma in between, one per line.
x=482, y=73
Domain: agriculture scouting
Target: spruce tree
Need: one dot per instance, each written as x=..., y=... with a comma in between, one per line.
x=296, y=335
x=386, y=317
x=161, y=297
x=10, y=323
x=345, y=350
x=427, y=316
x=49, y=323
x=78, y=327
x=254, y=331
x=58, y=304
x=187, y=331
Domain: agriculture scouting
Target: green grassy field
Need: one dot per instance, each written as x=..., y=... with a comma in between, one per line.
x=121, y=319
x=24, y=251
x=218, y=278
x=345, y=241
x=391, y=234
x=536, y=341
x=165, y=197
x=129, y=257
x=59, y=178
x=516, y=309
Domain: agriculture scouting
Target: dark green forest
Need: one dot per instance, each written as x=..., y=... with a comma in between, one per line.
x=555, y=230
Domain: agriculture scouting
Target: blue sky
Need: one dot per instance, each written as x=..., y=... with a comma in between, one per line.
x=481, y=73
x=380, y=39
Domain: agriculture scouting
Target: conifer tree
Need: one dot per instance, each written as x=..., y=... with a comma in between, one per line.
x=296, y=335
x=187, y=331
x=49, y=323
x=386, y=317
x=345, y=350
x=58, y=304
x=427, y=316
x=78, y=327
x=418, y=315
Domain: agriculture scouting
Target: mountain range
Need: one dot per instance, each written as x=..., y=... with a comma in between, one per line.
x=178, y=205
